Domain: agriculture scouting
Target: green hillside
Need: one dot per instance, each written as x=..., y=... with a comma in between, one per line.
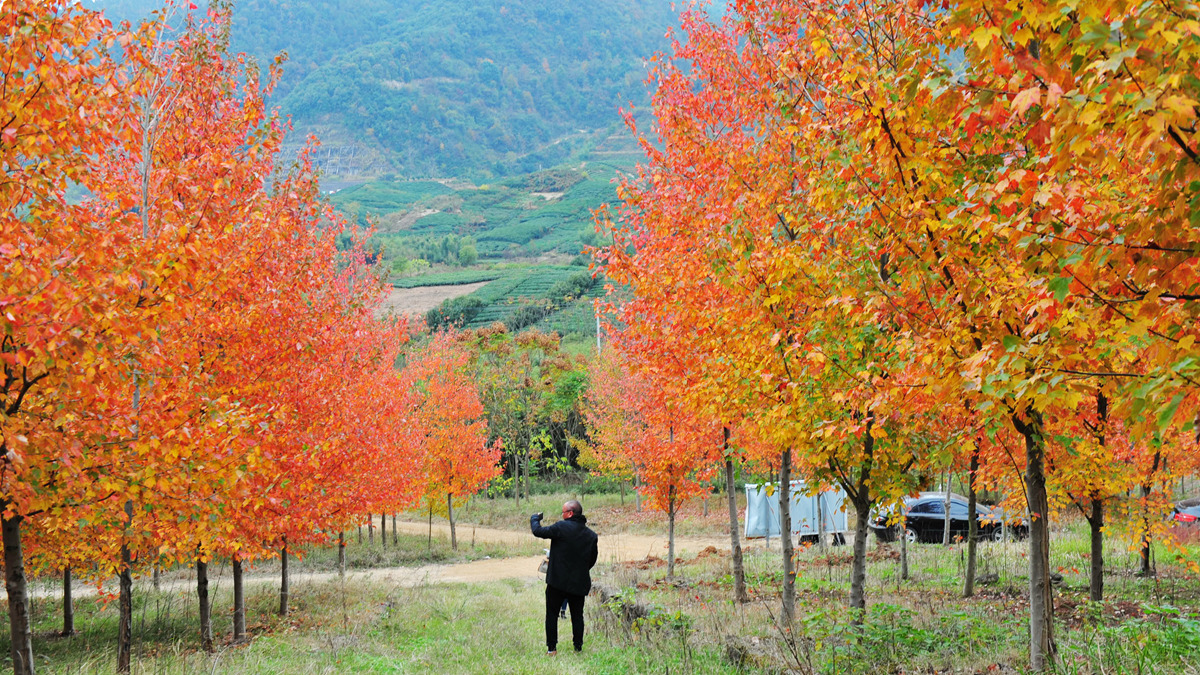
x=550, y=298
x=511, y=105
x=441, y=88
x=544, y=216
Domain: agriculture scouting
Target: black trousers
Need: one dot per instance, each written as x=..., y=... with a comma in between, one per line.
x=554, y=601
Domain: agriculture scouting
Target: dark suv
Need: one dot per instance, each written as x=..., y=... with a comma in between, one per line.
x=925, y=520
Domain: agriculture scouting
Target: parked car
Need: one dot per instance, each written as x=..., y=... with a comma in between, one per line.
x=925, y=520
x=1187, y=512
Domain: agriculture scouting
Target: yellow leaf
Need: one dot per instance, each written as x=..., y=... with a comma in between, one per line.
x=1026, y=99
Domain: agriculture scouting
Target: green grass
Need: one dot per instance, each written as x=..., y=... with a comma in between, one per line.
x=687, y=625
x=522, y=231
x=511, y=292
x=506, y=220
x=382, y=197
x=440, y=223
x=454, y=278
x=578, y=318
x=517, y=286
x=1146, y=625
x=361, y=627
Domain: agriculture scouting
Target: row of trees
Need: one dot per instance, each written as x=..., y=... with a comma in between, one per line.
x=191, y=366
x=887, y=240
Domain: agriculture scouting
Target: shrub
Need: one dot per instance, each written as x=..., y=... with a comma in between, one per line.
x=467, y=255
x=575, y=286
x=455, y=312
x=526, y=316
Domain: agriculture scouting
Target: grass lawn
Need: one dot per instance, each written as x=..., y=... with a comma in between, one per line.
x=686, y=625
x=360, y=628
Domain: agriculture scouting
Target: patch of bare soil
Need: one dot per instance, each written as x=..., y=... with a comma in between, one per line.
x=649, y=562
x=410, y=218
x=410, y=301
x=614, y=548
x=1076, y=612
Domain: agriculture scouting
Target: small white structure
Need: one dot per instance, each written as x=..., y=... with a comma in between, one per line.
x=762, y=512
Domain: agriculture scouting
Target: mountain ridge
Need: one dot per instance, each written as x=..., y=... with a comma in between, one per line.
x=443, y=88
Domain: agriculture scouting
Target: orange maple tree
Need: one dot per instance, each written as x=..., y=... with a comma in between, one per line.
x=935, y=229
x=636, y=423
x=212, y=358
x=455, y=457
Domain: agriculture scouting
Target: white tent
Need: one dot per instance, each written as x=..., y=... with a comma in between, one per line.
x=762, y=511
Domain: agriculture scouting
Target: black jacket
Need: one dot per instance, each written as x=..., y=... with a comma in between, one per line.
x=573, y=553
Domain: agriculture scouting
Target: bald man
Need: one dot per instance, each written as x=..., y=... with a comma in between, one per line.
x=573, y=553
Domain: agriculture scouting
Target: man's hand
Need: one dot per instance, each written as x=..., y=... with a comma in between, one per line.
x=536, y=516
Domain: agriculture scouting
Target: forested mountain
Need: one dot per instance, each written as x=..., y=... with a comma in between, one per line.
x=452, y=88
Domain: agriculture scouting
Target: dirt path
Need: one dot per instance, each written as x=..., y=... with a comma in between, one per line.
x=424, y=298
x=613, y=548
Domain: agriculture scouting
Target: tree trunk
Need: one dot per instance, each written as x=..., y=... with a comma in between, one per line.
x=785, y=537
x=903, y=548
x=735, y=541
x=622, y=492
x=1041, y=593
x=15, y=583
x=972, y=524
x=429, y=545
x=450, y=516
x=1096, y=525
x=125, y=612
x=283, y=579
x=637, y=494
x=1144, y=567
x=395, y=532
x=370, y=531
x=671, y=532
x=206, y=638
x=360, y=535
x=383, y=530
x=861, y=497
x=821, y=543
x=528, y=461
x=1147, y=490
x=771, y=478
x=515, y=468
x=342, y=554
x=1096, y=517
x=946, y=508
x=68, y=628
x=858, y=568
x=239, y=601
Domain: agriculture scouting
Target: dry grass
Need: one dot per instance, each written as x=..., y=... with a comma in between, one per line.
x=686, y=624
x=608, y=511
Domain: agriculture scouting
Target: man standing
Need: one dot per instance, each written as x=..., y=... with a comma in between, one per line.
x=573, y=553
